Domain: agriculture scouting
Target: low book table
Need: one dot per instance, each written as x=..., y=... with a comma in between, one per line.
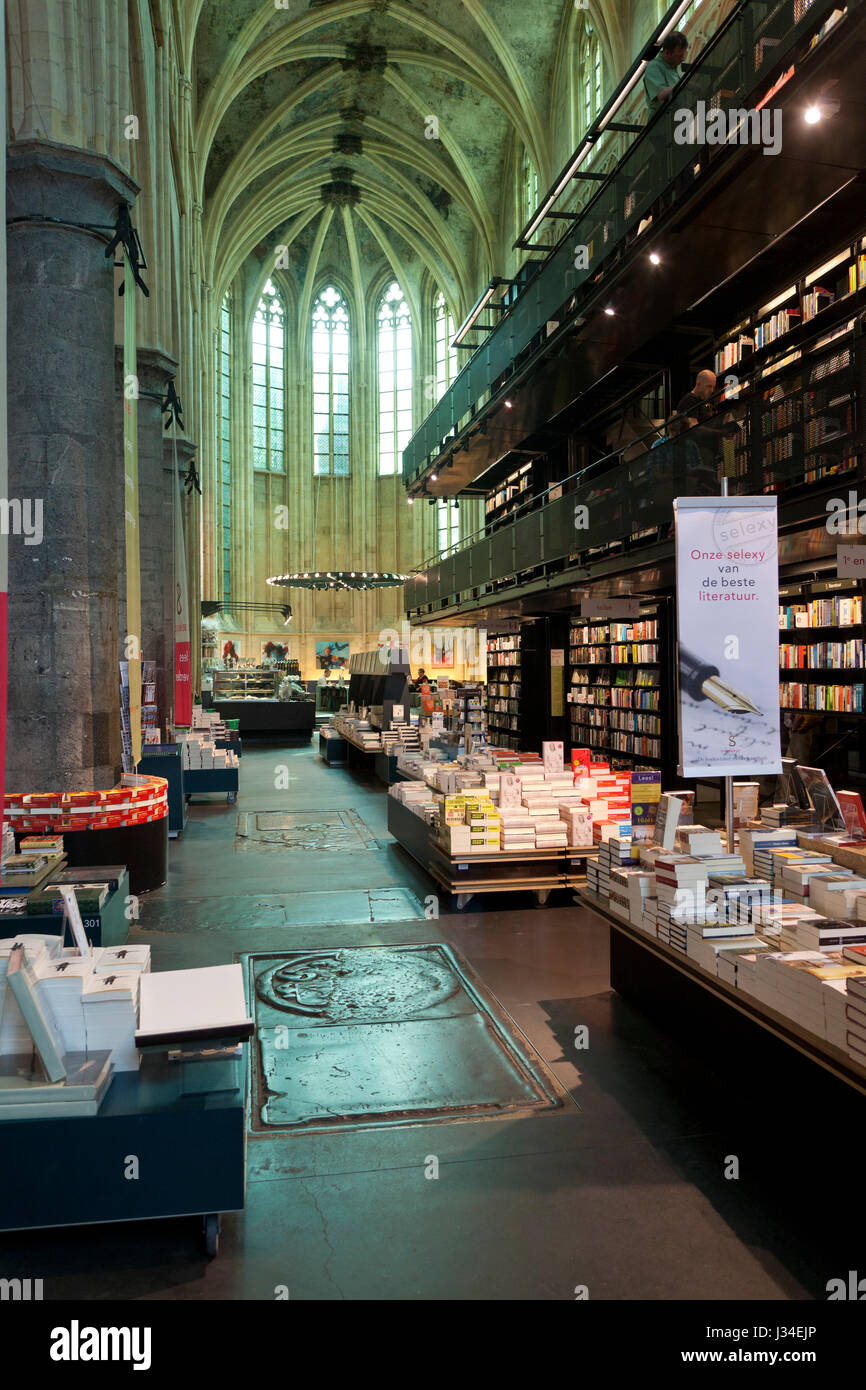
x=183, y=1123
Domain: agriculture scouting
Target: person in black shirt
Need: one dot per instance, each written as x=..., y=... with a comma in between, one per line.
x=703, y=427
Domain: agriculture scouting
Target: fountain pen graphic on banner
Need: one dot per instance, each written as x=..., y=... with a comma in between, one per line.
x=701, y=680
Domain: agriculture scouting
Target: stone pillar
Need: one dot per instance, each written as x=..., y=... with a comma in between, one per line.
x=64, y=703
x=156, y=522
x=191, y=503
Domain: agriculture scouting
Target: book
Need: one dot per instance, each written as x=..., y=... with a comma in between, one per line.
x=822, y=798
x=96, y=873
x=192, y=1005
x=853, y=813
x=667, y=818
x=86, y=1073
x=39, y=1021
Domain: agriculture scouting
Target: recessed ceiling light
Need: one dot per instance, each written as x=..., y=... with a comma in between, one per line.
x=655, y=258
x=410, y=501
x=609, y=311
x=434, y=477
x=812, y=115
x=508, y=405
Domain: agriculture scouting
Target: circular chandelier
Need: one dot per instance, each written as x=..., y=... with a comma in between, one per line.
x=339, y=579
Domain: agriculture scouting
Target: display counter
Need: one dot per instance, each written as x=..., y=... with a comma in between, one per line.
x=536, y=871
x=674, y=987
x=127, y=824
x=294, y=717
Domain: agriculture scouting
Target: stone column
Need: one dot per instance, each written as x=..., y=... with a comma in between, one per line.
x=64, y=704
x=156, y=522
x=191, y=503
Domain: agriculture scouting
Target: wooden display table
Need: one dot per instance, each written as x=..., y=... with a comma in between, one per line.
x=536, y=871
x=645, y=970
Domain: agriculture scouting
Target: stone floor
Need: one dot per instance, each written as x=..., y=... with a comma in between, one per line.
x=623, y=1192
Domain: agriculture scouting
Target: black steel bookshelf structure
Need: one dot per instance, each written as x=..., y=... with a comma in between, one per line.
x=822, y=638
x=777, y=306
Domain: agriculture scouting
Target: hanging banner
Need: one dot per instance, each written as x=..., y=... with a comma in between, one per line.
x=4, y=458
x=728, y=631
x=182, y=649
x=132, y=637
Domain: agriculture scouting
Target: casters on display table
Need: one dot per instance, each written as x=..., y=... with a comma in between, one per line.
x=212, y=1234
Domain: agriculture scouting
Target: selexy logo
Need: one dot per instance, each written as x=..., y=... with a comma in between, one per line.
x=77, y=1343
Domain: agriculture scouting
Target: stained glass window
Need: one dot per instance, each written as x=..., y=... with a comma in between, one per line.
x=446, y=356
x=223, y=376
x=395, y=378
x=330, y=383
x=269, y=390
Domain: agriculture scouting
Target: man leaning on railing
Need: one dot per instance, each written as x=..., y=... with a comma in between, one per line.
x=665, y=71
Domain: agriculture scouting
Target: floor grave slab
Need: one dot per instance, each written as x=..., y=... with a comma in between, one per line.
x=385, y=1035
x=269, y=831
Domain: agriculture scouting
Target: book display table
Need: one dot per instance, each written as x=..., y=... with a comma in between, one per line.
x=163, y=760
x=205, y=781
x=127, y=824
x=671, y=985
x=108, y=927
x=183, y=1122
x=537, y=871
x=295, y=717
x=332, y=747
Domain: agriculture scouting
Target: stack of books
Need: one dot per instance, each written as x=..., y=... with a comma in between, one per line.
x=855, y=1006
x=671, y=927
x=707, y=949
x=679, y=877
x=26, y=1095
x=755, y=847
x=823, y=934
x=110, y=1006
x=47, y=900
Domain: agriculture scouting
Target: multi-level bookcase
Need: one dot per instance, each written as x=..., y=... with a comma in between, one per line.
x=822, y=638
x=620, y=693
x=788, y=370
x=512, y=493
x=502, y=705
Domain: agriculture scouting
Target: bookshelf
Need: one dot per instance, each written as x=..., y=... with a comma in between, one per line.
x=502, y=703
x=792, y=363
x=617, y=670
x=509, y=495
x=821, y=647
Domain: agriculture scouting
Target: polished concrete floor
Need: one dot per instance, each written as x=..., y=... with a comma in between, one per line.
x=623, y=1193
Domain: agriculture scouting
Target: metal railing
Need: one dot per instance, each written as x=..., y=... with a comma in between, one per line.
x=616, y=500
x=752, y=43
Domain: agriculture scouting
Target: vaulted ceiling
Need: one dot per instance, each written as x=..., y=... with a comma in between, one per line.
x=367, y=129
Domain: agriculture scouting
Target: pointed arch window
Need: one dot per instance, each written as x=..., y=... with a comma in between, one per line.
x=269, y=382
x=223, y=379
x=528, y=189
x=446, y=355
x=330, y=333
x=395, y=378
x=591, y=66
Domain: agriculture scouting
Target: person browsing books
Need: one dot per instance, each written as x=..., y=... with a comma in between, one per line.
x=665, y=70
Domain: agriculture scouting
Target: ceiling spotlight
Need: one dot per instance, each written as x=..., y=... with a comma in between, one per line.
x=508, y=405
x=812, y=115
x=410, y=501
x=609, y=311
x=655, y=258
x=434, y=477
